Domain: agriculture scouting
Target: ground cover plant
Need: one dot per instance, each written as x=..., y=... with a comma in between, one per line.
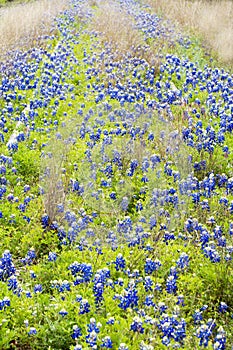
x=116, y=187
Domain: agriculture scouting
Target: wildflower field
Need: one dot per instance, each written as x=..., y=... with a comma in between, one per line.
x=116, y=186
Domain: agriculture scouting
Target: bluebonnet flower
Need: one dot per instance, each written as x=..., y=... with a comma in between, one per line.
x=158, y=287
x=180, y=331
x=32, y=274
x=180, y=300
x=217, y=231
x=223, y=307
x=120, y=262
x=204, y=307
x=204, y=237
x=26, y=188
x=197, y=316
x=161, y=307
x=125, y=225
x=32, y=331
x=112, y=195
x=151, y=266
x=139, y=206
x=212, y=254
x=149, y=301
x=45, y=221
x=12, y=283
x=98, y=289
x=60, y=208
x=91, y=339
x=171, y=286
x=220, y=339
x=7, y=267
x=106, y=343
x=130, y=297
x=168, y=236
x=224, y=201
x=84, y=307
x=203, y=333
x=52, y=256
x=136, y=325
x=152, y=222
x=120, y=281
x=110, y=321
x=222, y=242
x=230, y=208
x=165, y=340
x=76, y=332
x=38, y=288
x=93, y=326
x=63, y=312
x=4, y=302
x=173, y=272
x=183, y=261
x=22, y=207
x=84, y=270
x=148, y=283
x=28, y=293
x=205, y=205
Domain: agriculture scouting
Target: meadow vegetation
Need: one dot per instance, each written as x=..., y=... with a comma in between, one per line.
x=116, y=180
x=24, y=24
x=212, y=20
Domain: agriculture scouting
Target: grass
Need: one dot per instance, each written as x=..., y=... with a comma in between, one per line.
x=23, y=24
x=126, y=39
x=212, y=20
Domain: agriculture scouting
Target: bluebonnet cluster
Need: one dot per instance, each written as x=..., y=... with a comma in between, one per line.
x=204, y=332
x=84, y=307
x=4, y=302
x=99, y=281
x=129, y=298
x=32, y=331
x=120, y=262
x=136, y=325
x=151, y=266
x=172, y=328
x=7, y=268
x=30, y=257
x=220, y=339
x=106, y=343
x=84, y=272
x=76, y=332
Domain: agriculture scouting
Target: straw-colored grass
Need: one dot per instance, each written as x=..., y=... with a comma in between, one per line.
x=213, y=20
x=116, y=28
x=22, y=24
x=119, y=30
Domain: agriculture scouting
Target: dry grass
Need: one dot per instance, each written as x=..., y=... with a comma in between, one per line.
x=213, y=20
x=119, y=30
x=116, y=28
x=22, y=24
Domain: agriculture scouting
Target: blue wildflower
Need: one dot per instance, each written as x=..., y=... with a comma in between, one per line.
x=136, y=325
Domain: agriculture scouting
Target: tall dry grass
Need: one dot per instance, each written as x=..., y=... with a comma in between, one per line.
x=22, y=24
x=116, y=28
x=213, y=20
